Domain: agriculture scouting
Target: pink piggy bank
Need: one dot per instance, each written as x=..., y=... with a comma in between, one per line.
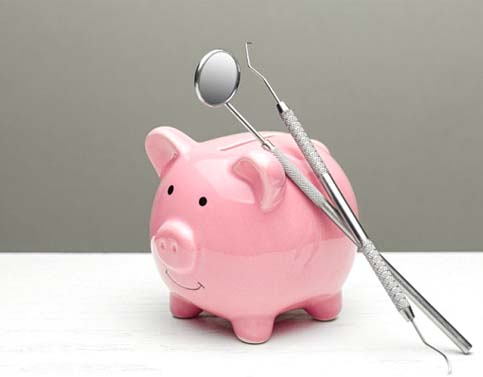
x=232, y=235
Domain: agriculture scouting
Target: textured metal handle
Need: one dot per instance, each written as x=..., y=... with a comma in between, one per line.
x=390, y=284
x=307, y=187
x=430, y=311
x=305, y=144
x=383, y=273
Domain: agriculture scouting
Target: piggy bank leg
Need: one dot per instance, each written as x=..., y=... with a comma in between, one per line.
x=253, y=330
x=180, y=308
x=325, y=308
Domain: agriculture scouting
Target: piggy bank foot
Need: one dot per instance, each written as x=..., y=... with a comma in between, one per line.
x=253, y=330
x=180, y=308
x=325, y=308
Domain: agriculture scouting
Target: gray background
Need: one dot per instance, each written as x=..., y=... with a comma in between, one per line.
x=394, y=88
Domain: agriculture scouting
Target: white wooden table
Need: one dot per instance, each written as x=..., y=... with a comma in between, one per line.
x=107, y=314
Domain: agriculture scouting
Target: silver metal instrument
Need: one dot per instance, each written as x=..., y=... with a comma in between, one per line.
x=216, y=82
x=359, y=235
x=458, y=339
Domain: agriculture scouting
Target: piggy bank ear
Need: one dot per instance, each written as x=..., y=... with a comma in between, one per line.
x=164, y=145
x=265, y=175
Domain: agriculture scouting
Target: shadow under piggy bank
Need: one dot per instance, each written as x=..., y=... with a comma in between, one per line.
x=291, y=322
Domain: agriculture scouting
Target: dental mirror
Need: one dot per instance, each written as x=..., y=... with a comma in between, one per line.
x=217, y=78
x=216, y=81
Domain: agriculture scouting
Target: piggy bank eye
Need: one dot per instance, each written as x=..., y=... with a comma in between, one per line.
x=170, y=189
x=202, y=202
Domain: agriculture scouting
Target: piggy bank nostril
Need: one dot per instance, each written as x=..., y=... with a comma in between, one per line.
x=174, y=245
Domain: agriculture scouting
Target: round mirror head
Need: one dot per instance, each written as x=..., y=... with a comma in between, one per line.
x=216, y=78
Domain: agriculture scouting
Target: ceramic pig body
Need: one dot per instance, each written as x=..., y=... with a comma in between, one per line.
x=232, y=235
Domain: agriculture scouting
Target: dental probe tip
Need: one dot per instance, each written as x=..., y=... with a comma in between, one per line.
x=272, y=92
x=448, y=363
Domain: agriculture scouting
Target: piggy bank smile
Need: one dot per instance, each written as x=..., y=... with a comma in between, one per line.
x=166, y=271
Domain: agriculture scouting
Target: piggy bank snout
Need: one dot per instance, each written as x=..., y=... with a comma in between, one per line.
x=174, y=244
